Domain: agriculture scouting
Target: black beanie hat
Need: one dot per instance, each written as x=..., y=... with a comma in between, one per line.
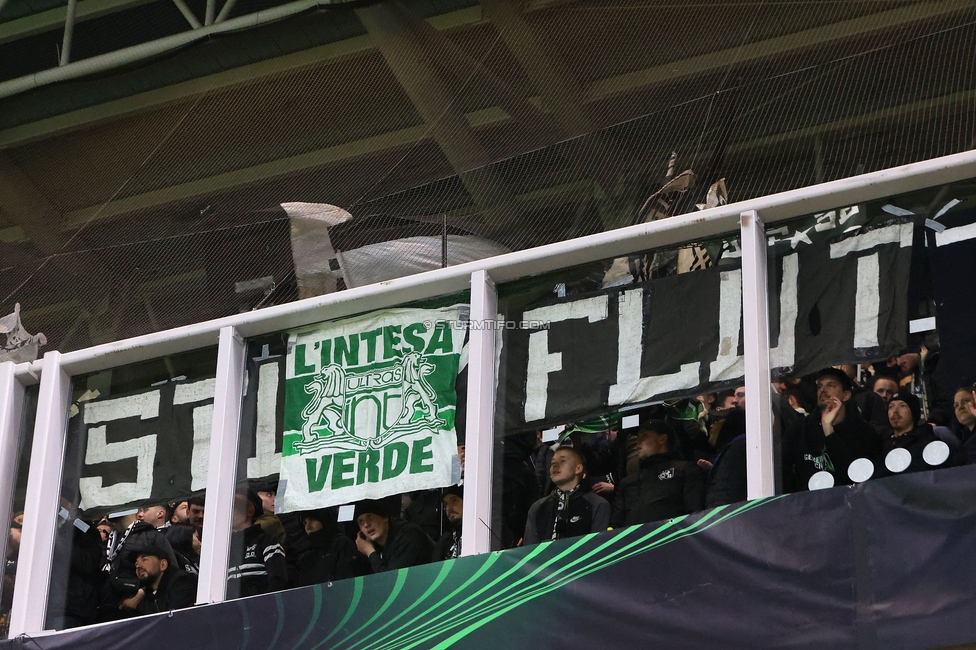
x=456, y=490
x=371, y=506
x=913, y=404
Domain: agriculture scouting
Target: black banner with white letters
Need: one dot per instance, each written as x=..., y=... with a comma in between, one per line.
x=153, y=445
x=952, y=256
x=834, y=298
x=839, y=299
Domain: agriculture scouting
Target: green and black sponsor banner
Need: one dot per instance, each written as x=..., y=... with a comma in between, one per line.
x=370, y=405
x=885, y=564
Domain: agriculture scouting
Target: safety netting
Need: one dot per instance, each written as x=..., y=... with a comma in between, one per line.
x=356, y=143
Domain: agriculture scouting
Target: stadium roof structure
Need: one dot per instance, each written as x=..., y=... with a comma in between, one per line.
x=149, y=150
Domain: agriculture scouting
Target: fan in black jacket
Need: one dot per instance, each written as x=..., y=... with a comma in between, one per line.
x=835, y=435
x=906, y=432
x=331, y=555
x=448, y=546
x=571, y=509
x=163, y=587
x=257, y=562
x=76, y=575
x=664, y=486
x=122, y=572
x=726, y=482
x=390, y=543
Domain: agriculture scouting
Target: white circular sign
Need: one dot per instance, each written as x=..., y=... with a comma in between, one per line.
x=936, y=453
x=860, y=470
x=821, y=481
x=898, y=460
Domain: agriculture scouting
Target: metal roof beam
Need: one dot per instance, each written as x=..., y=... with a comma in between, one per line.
x=53, y=19
x=150, y=49
x=190, y=18
x=596, y=91
x=407, y=136
x=852, y=28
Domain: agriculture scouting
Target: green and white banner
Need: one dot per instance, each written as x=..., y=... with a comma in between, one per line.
x=369, y=407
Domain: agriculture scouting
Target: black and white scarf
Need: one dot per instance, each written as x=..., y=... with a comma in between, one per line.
x=455, y=549
x=562, y=509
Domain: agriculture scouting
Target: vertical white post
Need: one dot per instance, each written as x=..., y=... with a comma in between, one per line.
x=480, y=439
x=755, y=315
x=42, y=502
x=11, y=414
x=222, y=468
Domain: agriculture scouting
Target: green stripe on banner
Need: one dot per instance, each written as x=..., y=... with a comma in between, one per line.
x=489, y=602
x=316, y=612
x=280, y=623
x=357, y=592
x=464, y=617
x=397, y=587
x=536, y=591
x=441, y=576
x=487, y=587
x=489, y=561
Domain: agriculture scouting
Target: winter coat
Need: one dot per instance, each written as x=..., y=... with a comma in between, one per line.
x=914, y=441
x=587, y=513
x=726, y=481
x=852, y=438
x=139, y=536
x=257, y=564
x=406, y=545
x=331, y=556
x=177, y=590
x=76, y=576
x=662, y=488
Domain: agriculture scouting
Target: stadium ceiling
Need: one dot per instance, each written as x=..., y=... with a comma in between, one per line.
x=125, y=122
x=213, y=19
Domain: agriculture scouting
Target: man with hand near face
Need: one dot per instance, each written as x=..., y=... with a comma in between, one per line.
x=390, y=543
x=570, y=510
x=835, y=435
x=449, y=545
x=162, y=587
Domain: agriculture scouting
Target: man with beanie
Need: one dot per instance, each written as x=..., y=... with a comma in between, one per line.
x=390, y=543
x=449, y=545
x=162, y=587
x=906, y=432
x=257, y=562
x=332, y=555
x=571, y=509
x=834, y=435
x=664, y=486
x=140, y=534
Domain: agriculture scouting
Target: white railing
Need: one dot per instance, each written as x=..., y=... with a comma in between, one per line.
x=55, y=370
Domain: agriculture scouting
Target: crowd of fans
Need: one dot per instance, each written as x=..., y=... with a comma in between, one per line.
x=843, y=425
x=147, y=560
